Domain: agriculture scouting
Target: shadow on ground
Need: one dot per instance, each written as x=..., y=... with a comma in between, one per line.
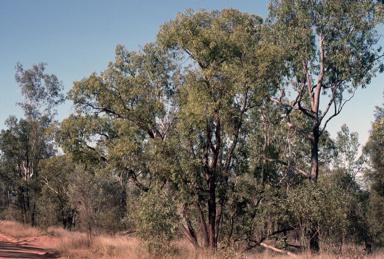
x=11, y=250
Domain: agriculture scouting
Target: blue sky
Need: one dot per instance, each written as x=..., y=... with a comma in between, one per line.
x=78, y=37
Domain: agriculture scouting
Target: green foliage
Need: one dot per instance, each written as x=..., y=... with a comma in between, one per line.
x=329, y=49
x=24, y=144
x=322, y=208
x=254, y=213
x=126, y=124
x=376, y=218
x=156, y=221
x=97, y=198
x=41, y=92
x=54, y=204
x=374, y=175
x=346, y=150
x=110, y=220
x=374, y=149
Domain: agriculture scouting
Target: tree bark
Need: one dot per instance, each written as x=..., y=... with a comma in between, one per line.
x=189, y=236
x=212, y=212
x=314, y=154
x=203, y=225
x=218, y=219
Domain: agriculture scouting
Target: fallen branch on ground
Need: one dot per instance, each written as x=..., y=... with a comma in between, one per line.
x=277, y=250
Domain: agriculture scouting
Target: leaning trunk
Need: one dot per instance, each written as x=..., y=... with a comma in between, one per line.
x=203, y=225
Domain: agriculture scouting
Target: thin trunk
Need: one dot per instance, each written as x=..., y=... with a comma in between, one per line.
x=189, y=236
x=264, y=148
x=190, y=227
x=203, y=225
x=212, y=179
x=8, y=198
x=33, y=223
x=218, y=219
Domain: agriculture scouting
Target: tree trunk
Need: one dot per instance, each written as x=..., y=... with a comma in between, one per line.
x=314, y=245
x=314, y=154
x=203, y=225
x=314, y=238
x=189, y=236
x=212, y=212
x=218, y=219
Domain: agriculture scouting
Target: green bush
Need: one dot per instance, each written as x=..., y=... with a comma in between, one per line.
x=156, y=222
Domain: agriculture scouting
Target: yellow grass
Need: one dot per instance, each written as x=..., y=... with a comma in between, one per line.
x=76, y=245
x=17, y=230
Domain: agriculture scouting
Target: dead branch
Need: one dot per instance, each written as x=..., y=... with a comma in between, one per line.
x=277, y=250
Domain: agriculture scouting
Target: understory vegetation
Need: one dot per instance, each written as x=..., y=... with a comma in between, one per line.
x=209, y=142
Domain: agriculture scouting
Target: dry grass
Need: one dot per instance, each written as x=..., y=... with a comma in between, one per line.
x=18, y=230
x=76, y=245
x=129, y=247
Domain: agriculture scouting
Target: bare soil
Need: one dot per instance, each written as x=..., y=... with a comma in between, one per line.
x=28, y=247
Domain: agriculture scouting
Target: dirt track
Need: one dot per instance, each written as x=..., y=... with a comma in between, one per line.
x=22, y=248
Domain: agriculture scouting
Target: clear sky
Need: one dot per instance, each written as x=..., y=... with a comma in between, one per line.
x=78, y=37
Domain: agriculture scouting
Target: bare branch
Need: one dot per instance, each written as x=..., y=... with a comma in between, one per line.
x=337, y=112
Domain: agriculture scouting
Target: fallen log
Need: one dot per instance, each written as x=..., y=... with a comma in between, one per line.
x=277, y=250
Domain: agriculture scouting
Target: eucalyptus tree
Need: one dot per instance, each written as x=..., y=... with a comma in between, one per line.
x=374, y=149
x=227, y=76
x=26, y=141
x=330, y=49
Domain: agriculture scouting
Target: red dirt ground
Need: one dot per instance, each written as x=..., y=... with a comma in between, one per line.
x=30, y=247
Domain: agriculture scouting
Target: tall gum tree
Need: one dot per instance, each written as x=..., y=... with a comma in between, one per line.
x=226, y=77
x=27, y=141
x=330, y=49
